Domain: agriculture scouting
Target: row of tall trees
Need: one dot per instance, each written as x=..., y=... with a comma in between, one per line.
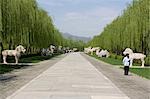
x=131, y=29
x=23, y=22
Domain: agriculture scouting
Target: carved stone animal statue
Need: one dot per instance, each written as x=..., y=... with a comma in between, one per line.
x=16, y=53
x=102, y=53
x=133, y=56
x=43, y=52
x=59, y=49
x=66, y=49
x=94, y=50
x=52, y=48
x=46, y=52
x=97, y=52
x=87, y=50
x=70, y=51
x=75, y=49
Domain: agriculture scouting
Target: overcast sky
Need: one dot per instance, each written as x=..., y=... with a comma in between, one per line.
x=83, y=17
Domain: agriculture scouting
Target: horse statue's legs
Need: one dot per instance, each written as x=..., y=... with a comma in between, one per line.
x=142, y=62
x=16, y=58
x=131, y=62
x=4, y=59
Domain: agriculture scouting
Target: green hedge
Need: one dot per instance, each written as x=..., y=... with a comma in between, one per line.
x=115, y=56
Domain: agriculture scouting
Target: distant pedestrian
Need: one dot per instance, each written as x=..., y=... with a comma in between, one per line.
x=126, y=62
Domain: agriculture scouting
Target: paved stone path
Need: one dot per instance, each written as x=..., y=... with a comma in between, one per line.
x=73, y=77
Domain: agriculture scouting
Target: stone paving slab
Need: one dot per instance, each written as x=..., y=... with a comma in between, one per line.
x=71, y=78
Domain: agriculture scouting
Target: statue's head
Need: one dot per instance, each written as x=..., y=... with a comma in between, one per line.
x=127, y=51
x=20, y=48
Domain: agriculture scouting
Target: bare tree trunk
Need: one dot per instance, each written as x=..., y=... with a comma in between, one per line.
x=10, y=45
x=1, y=57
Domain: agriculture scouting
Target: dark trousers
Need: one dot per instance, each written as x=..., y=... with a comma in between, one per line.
x=126, y=70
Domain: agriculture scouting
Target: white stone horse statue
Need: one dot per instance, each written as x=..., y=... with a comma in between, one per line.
x=94, y=49
x=16, y=53
x=52, y=48
x=70, y=51
x=67, y=49
x=75, y=49
x=43, y=52
x=46, y=52
x=60, y=49
x=87, y=50
x=102, y=53
x=133, y=56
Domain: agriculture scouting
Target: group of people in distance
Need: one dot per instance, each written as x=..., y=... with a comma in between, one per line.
x=127, y=60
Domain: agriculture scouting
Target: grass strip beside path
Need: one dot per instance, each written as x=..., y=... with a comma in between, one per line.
x=4, y=68
x=143, y=72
